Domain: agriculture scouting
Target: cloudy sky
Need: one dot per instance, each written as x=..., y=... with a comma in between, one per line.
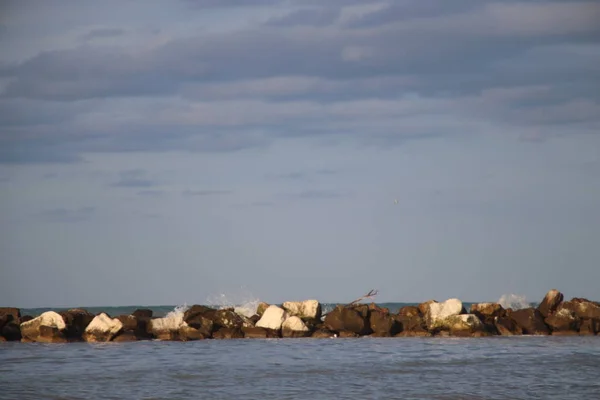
x=165, y=152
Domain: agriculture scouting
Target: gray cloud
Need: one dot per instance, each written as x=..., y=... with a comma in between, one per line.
x=307, y=17
x=192, y=193
x=67, y=215
x=382, y=74
x=135, y=178
x=103, y=33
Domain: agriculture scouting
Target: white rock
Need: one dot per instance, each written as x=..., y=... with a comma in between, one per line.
x=31, y=329
x=272, y=318
x=440, y=311
x=171, y=323
x=294, y=323
x=304, y=309
x=102, y=328
x=464, y=322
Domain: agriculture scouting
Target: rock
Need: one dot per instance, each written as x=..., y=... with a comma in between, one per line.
x=589, y=327
x=583, y=308
x=421, y=333
x=487, y=310
x=272, y=318
x=126, y=336
x=409, y=311
x=531, y=321
x=11, y=332
x=563, y=321
x=351, y=319
x=77, y=320
x=2, y=339
x=348, y=334
x=26, y=318
x=464, y=325
x=102, y=329
x=197, y=309
x=228, y=333
x=166, y=328
x=49, y=327
x=550, y=302
x=10, y=314
x=424, y=307
x=294, y=327
x=254, y=332
x=260, y=309
x=306, y=310
x=412, y=326
x=202, y=324
x=383, y=324
x=187, y=333
x=323, y=334
x=129, y=322
x=507, y=327
x=227, y=318
x=439, y=312
x=142, y=313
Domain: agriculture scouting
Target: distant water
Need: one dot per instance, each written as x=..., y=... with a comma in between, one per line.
x=161, y=311
x=513, y=368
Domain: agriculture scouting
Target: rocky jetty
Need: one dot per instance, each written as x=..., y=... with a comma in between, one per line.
x=304, y=319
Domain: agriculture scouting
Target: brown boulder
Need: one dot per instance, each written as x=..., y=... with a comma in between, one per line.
x=126, y=336
x=187, y=333
x=10, y=314
x=424, y=307
x=260, y=309
x=583, y=308
x=228, y=333
x=421, y=333
x=352, y=319
x=487, y=310
x=323, y=333
x=77, y=320
x=531, y=321
x=348, y=334
x=550, y=303
x=415, y=324
x=196, y=309
x=507, y=327
x=129, y=322
x=255, y=332
x=26, y=318
x=563, y=321
x=410, y=311
x=202, y=324
x=384, y=324
x=589, y=327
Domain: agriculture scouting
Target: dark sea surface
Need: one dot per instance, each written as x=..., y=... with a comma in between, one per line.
x=359, y=368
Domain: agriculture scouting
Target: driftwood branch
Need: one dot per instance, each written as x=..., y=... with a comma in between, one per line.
x=372, y=293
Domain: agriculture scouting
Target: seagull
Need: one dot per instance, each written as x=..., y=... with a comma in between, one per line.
x=395, y=201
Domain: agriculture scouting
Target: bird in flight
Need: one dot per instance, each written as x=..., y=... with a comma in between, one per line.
x=395, y=201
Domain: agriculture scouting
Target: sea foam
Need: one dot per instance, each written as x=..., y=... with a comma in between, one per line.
x=514, y=301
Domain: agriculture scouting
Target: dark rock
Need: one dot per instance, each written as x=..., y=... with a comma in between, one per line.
x=550, y=303
x=228, y=333
x=254, y=319
x=143, y=313
x=196, y=309
x=415, y=324
x=531, y=321
x=424, y=307
x=507, y=326
x=260, y=309
x=77, y=320
x=9, y=314
x=26, y=318
x=487, y=313
x=11, y=331
x=352, y=319
x=382, y=323
x=348, y=334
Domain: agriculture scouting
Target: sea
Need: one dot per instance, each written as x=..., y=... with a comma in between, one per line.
x=442, y=368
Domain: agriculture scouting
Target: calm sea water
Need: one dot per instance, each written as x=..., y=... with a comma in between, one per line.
x=363, y=368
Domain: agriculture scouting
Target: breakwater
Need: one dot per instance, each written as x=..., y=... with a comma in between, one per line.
x=294, y=319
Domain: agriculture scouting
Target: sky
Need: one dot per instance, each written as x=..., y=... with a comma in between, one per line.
x=170, y=152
